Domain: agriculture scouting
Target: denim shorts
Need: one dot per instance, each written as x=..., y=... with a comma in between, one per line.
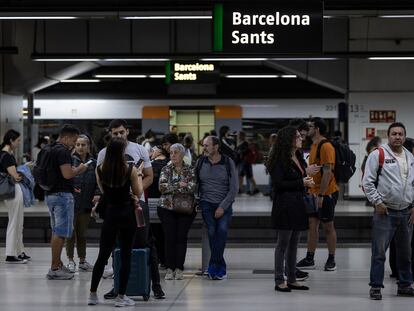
x=61, y=210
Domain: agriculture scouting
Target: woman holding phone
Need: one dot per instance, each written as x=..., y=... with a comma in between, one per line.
x=287, y=169
x=116, y=178
x=86, y=194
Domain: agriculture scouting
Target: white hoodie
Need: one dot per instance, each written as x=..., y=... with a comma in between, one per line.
x=391, y=190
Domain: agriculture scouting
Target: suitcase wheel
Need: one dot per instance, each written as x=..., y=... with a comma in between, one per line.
x=146, y=297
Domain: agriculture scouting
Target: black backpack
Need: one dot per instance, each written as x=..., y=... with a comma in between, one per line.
x=44, y=171
x=344, y=160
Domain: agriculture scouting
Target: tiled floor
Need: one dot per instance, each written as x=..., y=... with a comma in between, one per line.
x=25, y=287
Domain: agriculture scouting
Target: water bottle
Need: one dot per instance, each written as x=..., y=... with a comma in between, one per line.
x=139, y=215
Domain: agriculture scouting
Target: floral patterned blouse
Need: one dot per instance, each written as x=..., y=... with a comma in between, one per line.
x=169, y=183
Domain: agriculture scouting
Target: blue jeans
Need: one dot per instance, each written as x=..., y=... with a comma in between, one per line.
x=217, y=232
x=384, y=227
x=61, y=209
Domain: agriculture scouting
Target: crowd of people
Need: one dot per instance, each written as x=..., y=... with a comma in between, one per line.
x=124, y=175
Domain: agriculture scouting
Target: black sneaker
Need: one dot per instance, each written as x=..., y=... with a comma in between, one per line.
x=158, y=292
x=15, y=260
x=301, y=275
x=111, y=294
x=406, y=291
x=23, y=256
x=255, y=191
x=330, y=265
x=306, y=264
x=375, y=293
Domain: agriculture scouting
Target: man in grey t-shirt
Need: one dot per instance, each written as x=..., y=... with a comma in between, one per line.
x=134, y=152
x=218, y=183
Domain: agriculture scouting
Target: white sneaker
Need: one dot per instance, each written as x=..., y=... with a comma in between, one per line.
x=85, y=266
x=93, y=299
x=71, y=266
x=59, y=274
x=108, y=274
x=178, y=274
x=124, y=302
x=169, y=275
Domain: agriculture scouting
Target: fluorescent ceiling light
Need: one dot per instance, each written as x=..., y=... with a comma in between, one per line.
x=81, y=81
x=397, y=16
x=35, y=17
x=304, y=58
x=157, y=76
x=233, y=59
x=251, y=76
x=168, y=17
x=136, y=59
x=392, y=58
x=289, y=76
x=66, y=59
x=85, y=59
x=119, y=76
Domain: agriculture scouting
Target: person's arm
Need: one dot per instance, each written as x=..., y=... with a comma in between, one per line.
x=13, y=173
x=369, y=182
x=164, y=184
x=189, y=185
x=68, y=172
x=233, y=187
x=279, y=181
x=136, y=182
x=98, y=180
x=148, y=177
x=327, y=173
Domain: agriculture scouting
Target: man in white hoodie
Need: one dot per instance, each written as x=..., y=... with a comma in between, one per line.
x=388, y=183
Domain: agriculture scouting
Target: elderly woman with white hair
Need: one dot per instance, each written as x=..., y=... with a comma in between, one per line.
x=177, y=185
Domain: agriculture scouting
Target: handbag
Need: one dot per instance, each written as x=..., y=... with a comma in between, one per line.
x=183, y=203
x=7, y=187
x=310, y=203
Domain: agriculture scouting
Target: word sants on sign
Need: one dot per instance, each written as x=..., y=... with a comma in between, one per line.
x=188, y=71
x=268, y=28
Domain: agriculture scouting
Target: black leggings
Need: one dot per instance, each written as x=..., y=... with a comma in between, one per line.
x=126, y=228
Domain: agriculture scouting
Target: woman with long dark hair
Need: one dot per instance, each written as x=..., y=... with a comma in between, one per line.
x=116, y=178
x=15, y=207
x=288, y=172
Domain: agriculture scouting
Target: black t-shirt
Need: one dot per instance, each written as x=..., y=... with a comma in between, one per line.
x=7, y=160
x=61, y=156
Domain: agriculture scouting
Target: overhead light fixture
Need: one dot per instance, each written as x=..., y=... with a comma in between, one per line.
x=157, y=76
x=304, y=58
x=36, y=17
x=392, y=58
x=243, y=59
x=136, y=59
x=397, y=16
x=93, y=58
x=167, y=17
x=119, y=76
x=289, y=76
x=81, y=81
x=66, y=59
x=251, y=76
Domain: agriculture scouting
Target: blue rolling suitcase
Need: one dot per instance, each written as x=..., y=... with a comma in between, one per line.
x=139, y=283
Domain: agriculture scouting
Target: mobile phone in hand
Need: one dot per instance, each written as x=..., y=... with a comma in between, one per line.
x=89, y=162
x=139, y=162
